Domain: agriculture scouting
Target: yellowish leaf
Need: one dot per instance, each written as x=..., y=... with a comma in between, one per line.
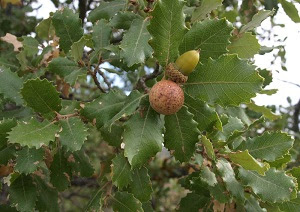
x=14, y=2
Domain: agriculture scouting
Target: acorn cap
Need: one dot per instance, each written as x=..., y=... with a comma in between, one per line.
x=174, y=75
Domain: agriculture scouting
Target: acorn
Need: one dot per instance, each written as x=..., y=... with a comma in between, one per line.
x=188, y=61
x=166, y=97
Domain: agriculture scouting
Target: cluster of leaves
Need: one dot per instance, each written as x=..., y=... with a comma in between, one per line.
x=50, y=111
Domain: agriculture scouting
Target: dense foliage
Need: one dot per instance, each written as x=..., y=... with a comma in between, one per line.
x=77, y=131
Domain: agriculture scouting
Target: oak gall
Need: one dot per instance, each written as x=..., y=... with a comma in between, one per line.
x=166, y=97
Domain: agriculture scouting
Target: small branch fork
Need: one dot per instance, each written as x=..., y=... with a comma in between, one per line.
x=59, y=116
x=142, y=81
x=94, y=76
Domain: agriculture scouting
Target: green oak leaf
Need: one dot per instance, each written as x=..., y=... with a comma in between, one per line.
x=68, y=28
x=228, y=176
x=23, y=60
x=167, y=28
x=23, y=193
x=105, y=107
x=206, y=117
x=192, y=202
x=245, y=45
x=181, y=134
x=208, y=147
x=269, y=92
x=95, y=203
x=33, y=133
x=147, y=206
x=194, y=183
x=77, y=48
x=7, y=153
x=7, y=208
x=130, y=105
x=121, y=171
x=28, y=159
x=106, y=10
x=208, y=176
x=225, y=81
x=275, y=186
x=73, y=133
x=291, y=10
x=256, y=20
x=205, y=8
x=101, y=34
x=134, y=46
x=9, y=64
x=30, y=46
x=126, y=202
x=45, y=29
x=142, y=136
x=296, y=173
x=239, y=113
x=220, y=193
x=282, y=162
x=113, y=136
x=60, y=169
x=82, y=164
x=47, y=196
x=41, y=96
x=253, y=205
x=244, y=159
x=141, y=186
x=267, y=75
x=211, y=36
x=290, y=205
x=267, y=112
x=5, y=127
x=234, y=124
x=10, y=85
x=269, y=146
x=67, y=69
x=123, y=20
x=69, y=106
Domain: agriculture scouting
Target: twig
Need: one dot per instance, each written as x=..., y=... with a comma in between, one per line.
x=142, y=81
x=296, y=117
x=82, y=9
x=105, y=79
x=59, y=116
x=292, y=83
x=94, y=76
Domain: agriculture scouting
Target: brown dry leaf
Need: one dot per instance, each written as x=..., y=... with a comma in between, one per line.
x=218, y=207
x=9, y=38
x=55, y=53
x=82, y=105
x=4, y=3
x=66, y=89
x=55, y=41
x=6, y=170
x=48, y=157
x=46, y=58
